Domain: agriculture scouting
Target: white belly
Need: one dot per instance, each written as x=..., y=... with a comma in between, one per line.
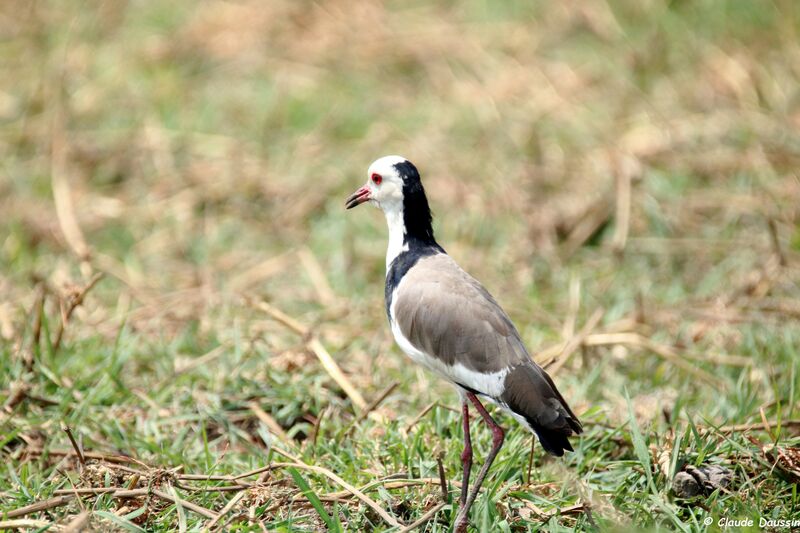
x=418, y=356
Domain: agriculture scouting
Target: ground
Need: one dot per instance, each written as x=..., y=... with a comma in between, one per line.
x=183, y=295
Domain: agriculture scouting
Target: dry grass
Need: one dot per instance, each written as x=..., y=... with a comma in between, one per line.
x=622, y=176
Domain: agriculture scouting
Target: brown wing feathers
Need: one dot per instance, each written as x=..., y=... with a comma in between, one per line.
x=531, y=394
x=449, y=315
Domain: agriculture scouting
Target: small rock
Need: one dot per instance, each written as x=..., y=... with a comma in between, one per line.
x=718, y=476
x=685, y=486
x=704, y=480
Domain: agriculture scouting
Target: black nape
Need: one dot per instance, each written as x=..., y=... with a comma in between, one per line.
x=419, y=231
x=416, y=211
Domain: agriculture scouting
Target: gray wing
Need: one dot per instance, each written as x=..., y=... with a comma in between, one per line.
x=446, y=313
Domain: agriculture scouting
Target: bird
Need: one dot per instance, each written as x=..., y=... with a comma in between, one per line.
x=446, y=321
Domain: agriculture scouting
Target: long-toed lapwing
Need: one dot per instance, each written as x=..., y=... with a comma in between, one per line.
x=446, y=321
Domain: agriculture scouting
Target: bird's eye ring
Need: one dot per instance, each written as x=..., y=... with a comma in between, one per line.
x=376, y=179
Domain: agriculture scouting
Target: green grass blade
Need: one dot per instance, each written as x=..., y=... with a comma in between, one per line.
x=640, y=446
x=312, y=497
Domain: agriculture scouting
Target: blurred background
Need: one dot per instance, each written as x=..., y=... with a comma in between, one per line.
x=621, y=175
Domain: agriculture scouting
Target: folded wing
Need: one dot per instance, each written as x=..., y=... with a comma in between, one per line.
x=447, y=314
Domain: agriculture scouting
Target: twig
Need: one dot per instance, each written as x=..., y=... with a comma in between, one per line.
x=114, y=492
x=94, y=490
x=74, y=443
x=23, y=524
x=90, y=455
x=377, y=401
x=283, y=318
x=371, y=407
x=71, y=482
x=317, y=275
x=257, y=471
x=568, y=329
x=315, y=346
x=259, y=272
x=225, y=510
x=202, y=360
x=666, y=352
x=588, y=223
x=530, y=459
x=74, y=301
x=424, y=412
x=132, y=480
x=622, y=218
x=38, y=312
x=738, y=428
x=62, y=196
x=587, y=510
x=204, y=477
x=224, y=525
x=224, y=488
x=635, y=339
x=422, y=519
x=787, y=307
x=188, y=505
x=18, y=391
x=44, y=505
x=389, y=519
x=767, y=425
x=442, y=477
x=545, y=516
x=147, y=399
x=317, y=426
x=270, y=422
x=41, y=401
x=121, y=492
x=128, y=493
x=575, y=342
x=336, y=373
x=78, y=523
x=776, y=242
x=390, y=484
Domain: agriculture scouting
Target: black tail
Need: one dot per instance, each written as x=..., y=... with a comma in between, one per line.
x=530, y=393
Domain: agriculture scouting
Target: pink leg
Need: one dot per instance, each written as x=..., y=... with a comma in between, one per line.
x=497, y=442
x=466, y=455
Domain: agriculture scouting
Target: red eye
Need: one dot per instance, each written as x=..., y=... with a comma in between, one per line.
x=376, y=179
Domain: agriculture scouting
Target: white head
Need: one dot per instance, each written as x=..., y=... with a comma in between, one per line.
x=394, y=185
x=384, y=187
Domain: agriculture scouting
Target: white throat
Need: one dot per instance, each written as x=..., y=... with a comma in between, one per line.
x=397, y=234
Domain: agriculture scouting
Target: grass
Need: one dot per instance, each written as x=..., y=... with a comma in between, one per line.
x=196, y=156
